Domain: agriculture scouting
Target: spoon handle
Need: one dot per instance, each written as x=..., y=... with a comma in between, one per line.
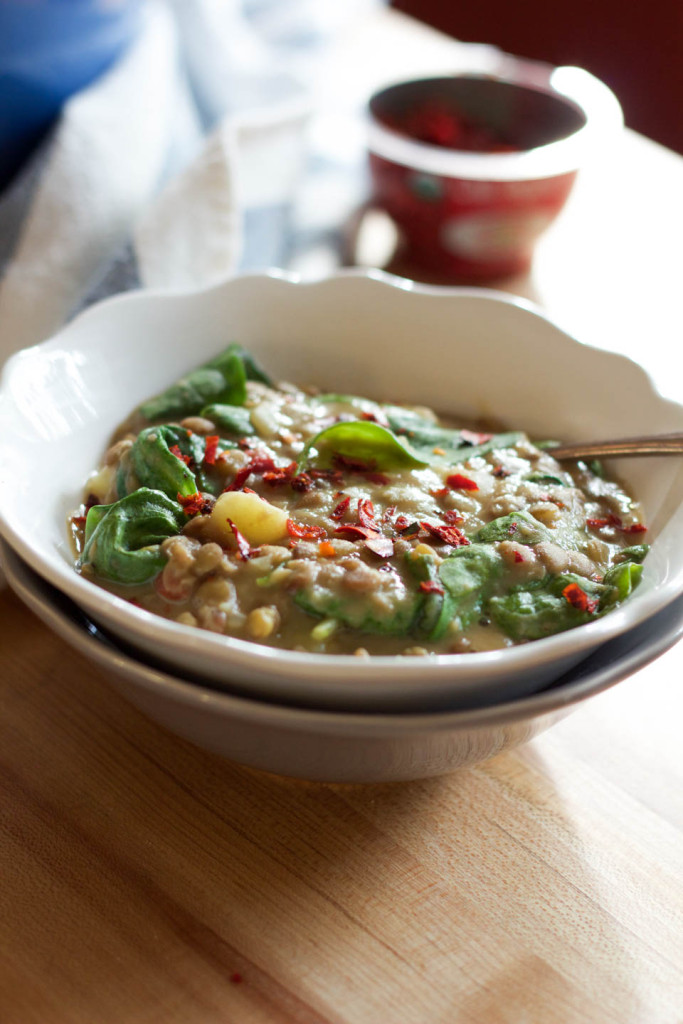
x=664, y=444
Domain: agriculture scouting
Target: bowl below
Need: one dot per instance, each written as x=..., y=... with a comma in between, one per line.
x=329, y=746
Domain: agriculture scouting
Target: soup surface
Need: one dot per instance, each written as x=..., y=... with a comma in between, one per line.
x=335, y=523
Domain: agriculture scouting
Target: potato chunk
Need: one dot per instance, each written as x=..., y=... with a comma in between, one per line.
x=256, y=518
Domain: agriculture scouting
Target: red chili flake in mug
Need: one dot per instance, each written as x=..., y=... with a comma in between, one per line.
x=175, y=450
x=431, y=587
x=438, y=124
x=579, y=598
x=462, y=483
x=211, y=449
x=304, y=531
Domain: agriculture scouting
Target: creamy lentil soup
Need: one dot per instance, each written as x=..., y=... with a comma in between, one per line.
x=335, y=523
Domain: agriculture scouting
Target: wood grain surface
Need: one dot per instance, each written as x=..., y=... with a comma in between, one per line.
x=143, y=881
x=146, y=881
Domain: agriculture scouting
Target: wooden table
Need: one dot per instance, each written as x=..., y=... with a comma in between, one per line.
x=145, y=881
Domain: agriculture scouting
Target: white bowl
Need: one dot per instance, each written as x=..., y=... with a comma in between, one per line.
x=334, y=746
x=463, y=350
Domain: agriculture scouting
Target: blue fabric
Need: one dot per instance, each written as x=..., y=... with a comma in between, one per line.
x=50, y=49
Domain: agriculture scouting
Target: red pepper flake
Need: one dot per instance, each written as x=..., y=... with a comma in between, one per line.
x=258, y=465
x=519, y=557
x=353, y=532
x=340, y=511
x=211, y=449
x=402, y=523
x=244, y=548
x=431, y=587
x=343, y=462
x=333, y=476
x=366, y=514
x=195, y=504
x=446, y=534
x=375, y=417
x=175, y=450
x=302, y=482
x=383, y=547
x=552, y=500
x=326, y=549
x=411, y=531
x=439, y=492
x=91, y=501
x=240, y=478
x=452, y=516
x=472, y=437
x=302, y=531
x=354, y=465
x=500, y=471
x=438, y=124
x=579, y=598
x=280, y=474
x=616, y=522
x=461, y=483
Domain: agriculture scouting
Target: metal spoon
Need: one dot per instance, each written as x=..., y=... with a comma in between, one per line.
x=662, y=444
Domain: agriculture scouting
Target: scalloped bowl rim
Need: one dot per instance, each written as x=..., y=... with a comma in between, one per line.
x=388, y=675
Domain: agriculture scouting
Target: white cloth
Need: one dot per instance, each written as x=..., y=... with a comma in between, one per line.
x=105, y=161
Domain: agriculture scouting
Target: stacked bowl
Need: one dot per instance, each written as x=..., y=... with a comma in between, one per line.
x=330, y=716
